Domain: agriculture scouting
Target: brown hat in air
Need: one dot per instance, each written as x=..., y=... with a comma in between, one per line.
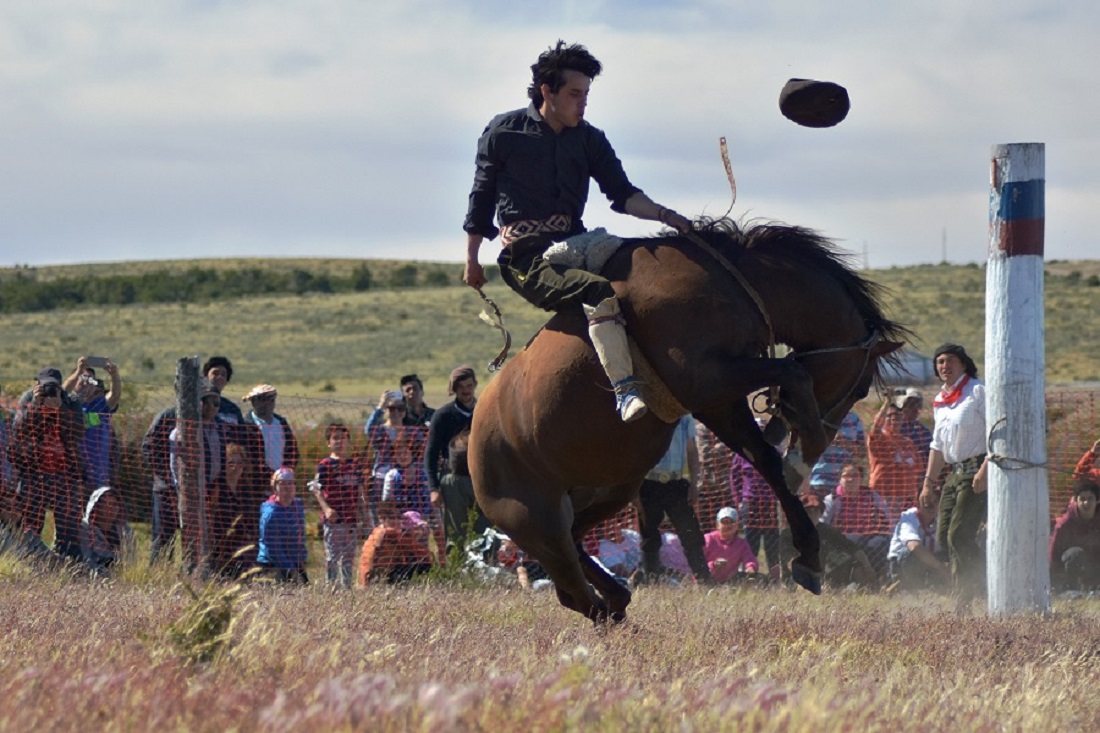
x=814, y=103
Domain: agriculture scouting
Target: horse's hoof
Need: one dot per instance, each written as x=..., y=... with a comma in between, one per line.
x=617, y=617
x=808, y=579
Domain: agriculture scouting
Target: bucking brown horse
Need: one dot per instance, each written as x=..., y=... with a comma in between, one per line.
x=548, y=454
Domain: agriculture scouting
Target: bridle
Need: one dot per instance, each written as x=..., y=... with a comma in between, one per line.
x=866, y=345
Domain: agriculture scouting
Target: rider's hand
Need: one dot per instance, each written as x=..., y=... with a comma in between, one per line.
x=677, y=221
x=474, y=275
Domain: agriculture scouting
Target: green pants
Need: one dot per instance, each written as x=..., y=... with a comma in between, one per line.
x=962, y=514
x=550, y=287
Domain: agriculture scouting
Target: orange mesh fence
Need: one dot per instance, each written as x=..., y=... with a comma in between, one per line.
x=53, y=458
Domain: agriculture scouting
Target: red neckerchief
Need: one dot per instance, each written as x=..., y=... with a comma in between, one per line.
x=948, y=399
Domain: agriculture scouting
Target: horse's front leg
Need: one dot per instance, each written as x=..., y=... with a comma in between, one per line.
x=737, y=429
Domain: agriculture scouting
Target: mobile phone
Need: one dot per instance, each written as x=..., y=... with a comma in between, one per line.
x=96, y=362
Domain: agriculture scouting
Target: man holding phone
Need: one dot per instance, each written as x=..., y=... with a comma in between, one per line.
x=98, y=401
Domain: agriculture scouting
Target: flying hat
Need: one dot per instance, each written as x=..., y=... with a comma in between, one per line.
x=814, y=103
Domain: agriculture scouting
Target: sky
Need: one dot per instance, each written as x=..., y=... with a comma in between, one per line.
x=347, y=128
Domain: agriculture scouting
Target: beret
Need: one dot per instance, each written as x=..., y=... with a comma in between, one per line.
x=813, y=103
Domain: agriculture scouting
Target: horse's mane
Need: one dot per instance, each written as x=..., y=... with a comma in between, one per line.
x=787, y=245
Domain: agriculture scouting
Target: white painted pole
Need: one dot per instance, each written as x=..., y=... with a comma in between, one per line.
x=1019, y=504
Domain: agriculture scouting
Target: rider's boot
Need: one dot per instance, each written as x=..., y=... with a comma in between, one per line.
x=605, y=328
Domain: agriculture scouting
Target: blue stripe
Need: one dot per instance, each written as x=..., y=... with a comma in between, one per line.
x=1022, y=200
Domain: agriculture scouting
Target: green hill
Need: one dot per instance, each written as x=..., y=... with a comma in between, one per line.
x=356, y=342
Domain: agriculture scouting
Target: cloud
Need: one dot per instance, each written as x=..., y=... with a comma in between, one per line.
x=343, y=128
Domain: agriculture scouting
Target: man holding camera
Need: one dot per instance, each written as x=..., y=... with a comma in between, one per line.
x=98, y=401
x=45, y=450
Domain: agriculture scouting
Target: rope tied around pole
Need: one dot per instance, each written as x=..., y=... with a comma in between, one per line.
x=1023, y=464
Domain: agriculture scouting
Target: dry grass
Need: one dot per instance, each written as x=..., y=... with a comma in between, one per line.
x=440, y=658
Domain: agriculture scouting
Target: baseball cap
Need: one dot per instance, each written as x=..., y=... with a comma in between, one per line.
x=283, y=474
x=727, y=512
x=908, y=394
x=49, y=375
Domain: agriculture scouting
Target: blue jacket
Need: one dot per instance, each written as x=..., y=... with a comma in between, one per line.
x=282, y=534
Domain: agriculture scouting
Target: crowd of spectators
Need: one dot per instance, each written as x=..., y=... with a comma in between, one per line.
x=402, y=501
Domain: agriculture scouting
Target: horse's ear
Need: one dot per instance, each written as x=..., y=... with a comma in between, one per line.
x=882, y=348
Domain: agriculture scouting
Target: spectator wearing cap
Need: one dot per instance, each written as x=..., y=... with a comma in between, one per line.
x=280, y=445
x=912, y=555
x=726, y=551
x=447, y=422
x=417, y=414
x=958, y=445
x=844, y=561
x=896, y=468
x=282, y=551
x=672, y=488
x=98, y=401
x=45, y=451
x=910, y=402
x=219, y=370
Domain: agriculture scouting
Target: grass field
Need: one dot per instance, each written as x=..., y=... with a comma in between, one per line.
x=80, y=655
x=354, y=345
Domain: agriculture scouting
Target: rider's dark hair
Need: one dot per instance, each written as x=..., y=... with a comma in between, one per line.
x=554, y=62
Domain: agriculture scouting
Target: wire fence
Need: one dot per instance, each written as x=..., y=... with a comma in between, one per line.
x=53, y=460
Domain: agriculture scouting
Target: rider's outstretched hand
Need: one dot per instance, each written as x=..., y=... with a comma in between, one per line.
x=677, y=221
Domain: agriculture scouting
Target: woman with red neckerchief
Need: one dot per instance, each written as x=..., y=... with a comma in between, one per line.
x=958, y=444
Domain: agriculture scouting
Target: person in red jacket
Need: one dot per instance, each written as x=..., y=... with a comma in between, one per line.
x=1089, y=465
x=1075, y=542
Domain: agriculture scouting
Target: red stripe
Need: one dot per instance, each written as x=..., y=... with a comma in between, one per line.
x=1021, y=237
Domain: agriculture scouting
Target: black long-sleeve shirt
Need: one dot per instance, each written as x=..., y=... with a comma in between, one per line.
x=525, y=170
x=447, y=422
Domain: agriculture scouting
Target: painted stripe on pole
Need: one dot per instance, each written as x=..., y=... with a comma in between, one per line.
x=1017, y=208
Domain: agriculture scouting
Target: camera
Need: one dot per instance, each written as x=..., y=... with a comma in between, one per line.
x=49, y=390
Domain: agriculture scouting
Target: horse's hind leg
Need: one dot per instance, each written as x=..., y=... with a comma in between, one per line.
x=544, y=531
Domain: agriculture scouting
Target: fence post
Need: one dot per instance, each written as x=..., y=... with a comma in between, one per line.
x=192, y=468
x=1019, y=504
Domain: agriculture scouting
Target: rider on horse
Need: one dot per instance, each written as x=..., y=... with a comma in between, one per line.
x=533, y=170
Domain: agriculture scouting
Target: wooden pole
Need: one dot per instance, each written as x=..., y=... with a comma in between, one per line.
x=1019, y=504
x=192, y=468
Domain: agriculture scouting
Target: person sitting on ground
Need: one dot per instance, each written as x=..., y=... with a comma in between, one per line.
x=528, y=572
x=861, y=514
x=397, y=549
x=619, y=549
x=728, y=554
x=844, y=561
x=1089, y=465
x=105, y=536
x=283, y=531
x=912, y=556
x=1075, y=542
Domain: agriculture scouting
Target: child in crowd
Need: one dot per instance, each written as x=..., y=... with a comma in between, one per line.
x=397, y=549
x=104, y=534
x=283, y=531
x=726, y=551
x=338, y=488
x=1075, y=542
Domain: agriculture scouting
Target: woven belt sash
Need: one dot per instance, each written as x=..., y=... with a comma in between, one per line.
x=529, y=227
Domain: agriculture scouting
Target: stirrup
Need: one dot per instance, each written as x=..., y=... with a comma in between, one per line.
x=629, y=401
